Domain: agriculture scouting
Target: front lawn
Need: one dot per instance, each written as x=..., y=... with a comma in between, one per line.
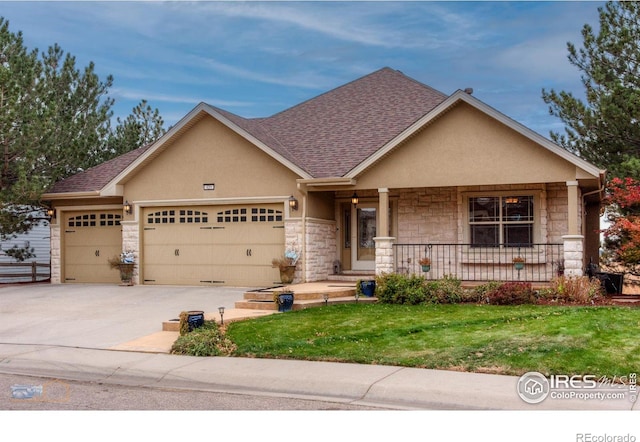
x=603, y=340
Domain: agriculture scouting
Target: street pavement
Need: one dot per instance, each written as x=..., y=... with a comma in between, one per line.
x=80, y=332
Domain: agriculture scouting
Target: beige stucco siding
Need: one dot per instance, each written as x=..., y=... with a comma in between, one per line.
x=210, y=153
x=467, y=147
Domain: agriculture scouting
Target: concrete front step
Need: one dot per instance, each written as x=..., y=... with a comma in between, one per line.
x=352, y=276
x=331, y=292
x=301, y=304
x=305, y=295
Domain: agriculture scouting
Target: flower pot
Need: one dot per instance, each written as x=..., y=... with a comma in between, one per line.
x=126, y=273
x=285, y=301
x=426, y=267
x=518, y=265
x=287, y=273
x=368, y=288
x=195, y=319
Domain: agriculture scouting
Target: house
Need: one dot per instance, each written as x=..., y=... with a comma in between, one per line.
x=372, y=175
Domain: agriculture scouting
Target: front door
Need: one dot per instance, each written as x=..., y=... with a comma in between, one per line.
x=363, y=230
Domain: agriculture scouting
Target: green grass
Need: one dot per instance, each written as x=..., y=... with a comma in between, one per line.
x=482, y=338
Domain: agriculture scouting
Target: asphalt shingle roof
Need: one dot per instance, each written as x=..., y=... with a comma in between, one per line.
x=95, y=178
x=326, y=136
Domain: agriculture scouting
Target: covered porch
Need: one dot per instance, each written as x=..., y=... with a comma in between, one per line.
x=470, y=232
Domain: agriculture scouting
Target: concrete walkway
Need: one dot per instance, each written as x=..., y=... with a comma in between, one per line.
x=111, y=334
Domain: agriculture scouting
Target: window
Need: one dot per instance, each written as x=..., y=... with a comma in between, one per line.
x=501, y=220
x=250, y=215
x=93, y=220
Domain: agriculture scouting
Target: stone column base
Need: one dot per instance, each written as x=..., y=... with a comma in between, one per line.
x=573, y=255
x=384, y=254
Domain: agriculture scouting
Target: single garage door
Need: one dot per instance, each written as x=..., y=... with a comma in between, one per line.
x=90, y=239
x=227, y=245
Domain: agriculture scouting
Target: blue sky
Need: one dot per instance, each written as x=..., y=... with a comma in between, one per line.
x=258, y=58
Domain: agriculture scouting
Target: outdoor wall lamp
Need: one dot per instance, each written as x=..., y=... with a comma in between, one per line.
x=127, y=208
x=221, y=311
x=354, y=198
x=326, y=298
x=51, y=212
x=293, y=203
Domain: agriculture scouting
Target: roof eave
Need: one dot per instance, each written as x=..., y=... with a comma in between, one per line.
x=71, y=195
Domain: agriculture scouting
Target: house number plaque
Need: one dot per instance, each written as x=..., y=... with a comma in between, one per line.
x=210, y=186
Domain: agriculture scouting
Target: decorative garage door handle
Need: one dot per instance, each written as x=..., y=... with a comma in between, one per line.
x=176, y=252
x=97, y=253
x=248, y=252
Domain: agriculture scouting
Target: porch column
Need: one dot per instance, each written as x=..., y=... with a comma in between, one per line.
x=383, y=210
x=572, y=208
x=573, y=241
x=384, y=243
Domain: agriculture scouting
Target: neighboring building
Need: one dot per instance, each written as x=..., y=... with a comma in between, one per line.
x=38, y=239
x=444, y=176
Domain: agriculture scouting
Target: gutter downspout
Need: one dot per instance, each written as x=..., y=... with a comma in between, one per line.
x=302, y=188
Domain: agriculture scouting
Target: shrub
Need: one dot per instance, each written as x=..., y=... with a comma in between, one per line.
x=573, y=290
x=448, y=290
x=512, y=293
x=481, y=292
x=207, y=340
x=184, y=323
x=394, y=288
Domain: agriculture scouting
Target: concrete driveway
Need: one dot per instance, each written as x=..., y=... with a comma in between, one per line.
x=98, y=316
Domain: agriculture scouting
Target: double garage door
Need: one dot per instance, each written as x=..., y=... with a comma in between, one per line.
x=227, y=245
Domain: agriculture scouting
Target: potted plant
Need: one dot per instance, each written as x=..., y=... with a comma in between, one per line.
x=425, y=263
x=366, y=288
x=125, y=263
x=518, y=262
x=287, y=265
x=284, y=299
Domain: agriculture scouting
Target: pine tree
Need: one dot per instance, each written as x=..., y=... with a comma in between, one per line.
x=55, y=120
x=604, y=130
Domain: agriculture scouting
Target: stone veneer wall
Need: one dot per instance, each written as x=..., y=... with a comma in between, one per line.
x=322, y=249
x=558, y=219
x=293, y=240
x=427, y=215
x=131, y=241
x=56, y=263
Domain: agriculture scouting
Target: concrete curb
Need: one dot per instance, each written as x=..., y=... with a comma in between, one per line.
x=387, y=387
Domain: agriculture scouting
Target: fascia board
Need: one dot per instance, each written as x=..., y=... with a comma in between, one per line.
x=70, y=195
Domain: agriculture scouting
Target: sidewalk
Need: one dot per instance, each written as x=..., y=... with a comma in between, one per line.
x=388, y=387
